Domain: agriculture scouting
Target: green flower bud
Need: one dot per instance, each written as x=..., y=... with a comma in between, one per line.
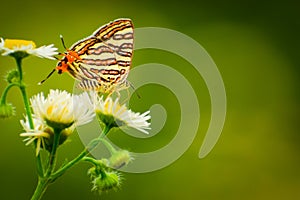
x=13, y=76
x=106, y=181
x=6, y=111
x=119, y=159
x=64, y=134
x=104, y=178
x=67, y=131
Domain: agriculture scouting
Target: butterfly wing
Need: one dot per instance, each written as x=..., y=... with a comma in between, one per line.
x=105, y=57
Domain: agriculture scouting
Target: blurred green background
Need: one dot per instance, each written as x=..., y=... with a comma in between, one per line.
x=255, y=45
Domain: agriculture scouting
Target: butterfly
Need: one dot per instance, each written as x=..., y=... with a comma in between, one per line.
x=101, y=62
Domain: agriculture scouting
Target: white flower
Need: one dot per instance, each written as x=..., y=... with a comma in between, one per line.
x=61, y=109
x=112, y=113
x=10, y=46
x=39, y=133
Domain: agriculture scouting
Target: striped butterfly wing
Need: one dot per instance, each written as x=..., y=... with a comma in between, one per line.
x=105, y=57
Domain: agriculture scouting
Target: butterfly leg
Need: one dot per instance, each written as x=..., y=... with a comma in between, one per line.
x=129, y=84
x=128, y=96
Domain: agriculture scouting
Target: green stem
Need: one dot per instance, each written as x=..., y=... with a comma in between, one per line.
x=52, y=176
x=45, y=181
x=40, y=189
x=52, y=156
x=19, y=65
x=24, y=94
x=90, y=147
x=91, y=160
x=27, y=106
x=62, y=170
x=108, y=146
x=100, y=167
x=28, y=111
x=42, y=184
x=4, y=94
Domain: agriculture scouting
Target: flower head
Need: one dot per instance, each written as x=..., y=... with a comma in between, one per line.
x=62, y=110
x=23, y=48
x=40, y=133
x=113, y=114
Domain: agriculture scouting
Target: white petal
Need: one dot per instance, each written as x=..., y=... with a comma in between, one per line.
x=44, y=51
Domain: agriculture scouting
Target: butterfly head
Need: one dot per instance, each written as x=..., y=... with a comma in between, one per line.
x=64, y=64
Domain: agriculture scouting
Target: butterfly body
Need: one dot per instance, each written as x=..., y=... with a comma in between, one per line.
x=102, y=61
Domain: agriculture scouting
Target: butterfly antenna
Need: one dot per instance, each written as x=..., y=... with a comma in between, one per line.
x=57, y=57
x=62, y=41
x=41, y=82
x=131, y=85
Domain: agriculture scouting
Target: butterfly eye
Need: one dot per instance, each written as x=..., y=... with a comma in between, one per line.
x=65, y=59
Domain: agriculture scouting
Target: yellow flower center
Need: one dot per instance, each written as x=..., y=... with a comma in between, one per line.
x=12, y=43
x=49, y=110
x=108, y=107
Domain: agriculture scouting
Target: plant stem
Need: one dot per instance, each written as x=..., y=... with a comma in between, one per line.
x=90, y=147
x=19, y=65
x=62, y=170
x=4, y=94
x=23, y=91
x=45, y=181
x=108, y=146
x=28, y=111
x=52, y=156
x=40, y=189
x=42, y=184
x=91, y=160
x=51, y=175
